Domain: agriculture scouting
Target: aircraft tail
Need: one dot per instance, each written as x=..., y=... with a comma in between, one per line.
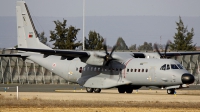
x=27, y=36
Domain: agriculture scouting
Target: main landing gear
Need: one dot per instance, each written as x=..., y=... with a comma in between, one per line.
x=128, y=88
x=91, y=90
x=123, y=90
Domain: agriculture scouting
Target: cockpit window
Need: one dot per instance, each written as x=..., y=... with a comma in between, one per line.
x=180, y=66
x=163, y=67
x=173, y=66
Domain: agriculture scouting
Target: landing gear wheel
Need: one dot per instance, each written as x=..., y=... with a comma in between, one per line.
x=129, y=90
x=171, y=91
x=89, y=90
x=97, y=90
x=121, y=90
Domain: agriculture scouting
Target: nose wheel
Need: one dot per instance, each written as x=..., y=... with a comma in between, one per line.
x=170, y=91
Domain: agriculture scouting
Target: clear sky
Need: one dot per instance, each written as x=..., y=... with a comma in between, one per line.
x=151, y=25
x=73, y=8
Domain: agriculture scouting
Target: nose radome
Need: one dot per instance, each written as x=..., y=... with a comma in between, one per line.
x=187, y=78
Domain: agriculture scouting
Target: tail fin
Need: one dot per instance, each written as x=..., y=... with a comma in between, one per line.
x=26, y=33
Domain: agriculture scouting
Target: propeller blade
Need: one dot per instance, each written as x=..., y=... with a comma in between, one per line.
x=166, y=47
x=157, y=50
x=105, y=46
x=113, y=49
x=108, y=56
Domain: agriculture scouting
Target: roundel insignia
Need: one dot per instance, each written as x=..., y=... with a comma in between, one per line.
x=54, y=65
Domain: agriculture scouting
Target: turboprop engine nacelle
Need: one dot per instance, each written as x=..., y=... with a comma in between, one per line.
x=94, y=59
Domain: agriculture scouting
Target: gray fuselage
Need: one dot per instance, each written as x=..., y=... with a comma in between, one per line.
x=143, y=72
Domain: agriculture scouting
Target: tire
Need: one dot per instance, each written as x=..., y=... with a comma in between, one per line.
x=97, y=90
x=129, y=90
x=170, y=91
x=89, y=90
x=121, y=90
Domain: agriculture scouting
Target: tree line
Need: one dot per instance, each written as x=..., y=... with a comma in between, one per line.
x=64, y=37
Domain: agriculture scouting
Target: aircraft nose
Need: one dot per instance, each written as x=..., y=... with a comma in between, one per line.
x=187, y=78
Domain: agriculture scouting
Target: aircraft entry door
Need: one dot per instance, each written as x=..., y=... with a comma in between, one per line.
x=152, y=74
x=72, y=71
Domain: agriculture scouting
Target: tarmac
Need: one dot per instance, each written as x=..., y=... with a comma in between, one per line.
x=63, y=87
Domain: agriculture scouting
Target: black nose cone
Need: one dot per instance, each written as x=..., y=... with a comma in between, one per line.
x=187, y=78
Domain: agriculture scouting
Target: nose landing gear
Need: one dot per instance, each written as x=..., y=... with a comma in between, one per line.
x=171, y=91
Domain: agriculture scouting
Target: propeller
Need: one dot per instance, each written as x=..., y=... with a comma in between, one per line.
x=158, y=51
x=108, y=57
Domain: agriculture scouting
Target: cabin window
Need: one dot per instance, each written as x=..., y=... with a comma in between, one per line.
x=88, y=68
x=146, y=70
x=99, y=69
x=83, y=68
x=76, y=69
x=173, y=66
x=105, y=69
x=138, y=70
x=168, y=67
x=80, y=70
x=163, y=67
x=135, y=70
x=131, y=70
x=127, y=70
x=91, y=68
x=120, y=69
x=142, y=70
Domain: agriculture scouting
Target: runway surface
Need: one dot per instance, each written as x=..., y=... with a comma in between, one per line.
x=73, y=96
x=60, y=87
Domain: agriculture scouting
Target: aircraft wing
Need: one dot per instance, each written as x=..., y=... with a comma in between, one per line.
x=168, y=54
x=171, y=54
x=10, y=55
x=65, y=53
x=14, y=55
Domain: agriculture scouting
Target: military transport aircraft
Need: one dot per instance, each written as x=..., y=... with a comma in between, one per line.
x=97, y=70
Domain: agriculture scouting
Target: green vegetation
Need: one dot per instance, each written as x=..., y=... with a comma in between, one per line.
x=42, y=38
x=183, y=38
x=146, y=46
x=94, y=41
x=121, y=45
x=65, y=38
x=133, y=47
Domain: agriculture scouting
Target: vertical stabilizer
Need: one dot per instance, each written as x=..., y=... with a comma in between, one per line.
x=26, y=33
